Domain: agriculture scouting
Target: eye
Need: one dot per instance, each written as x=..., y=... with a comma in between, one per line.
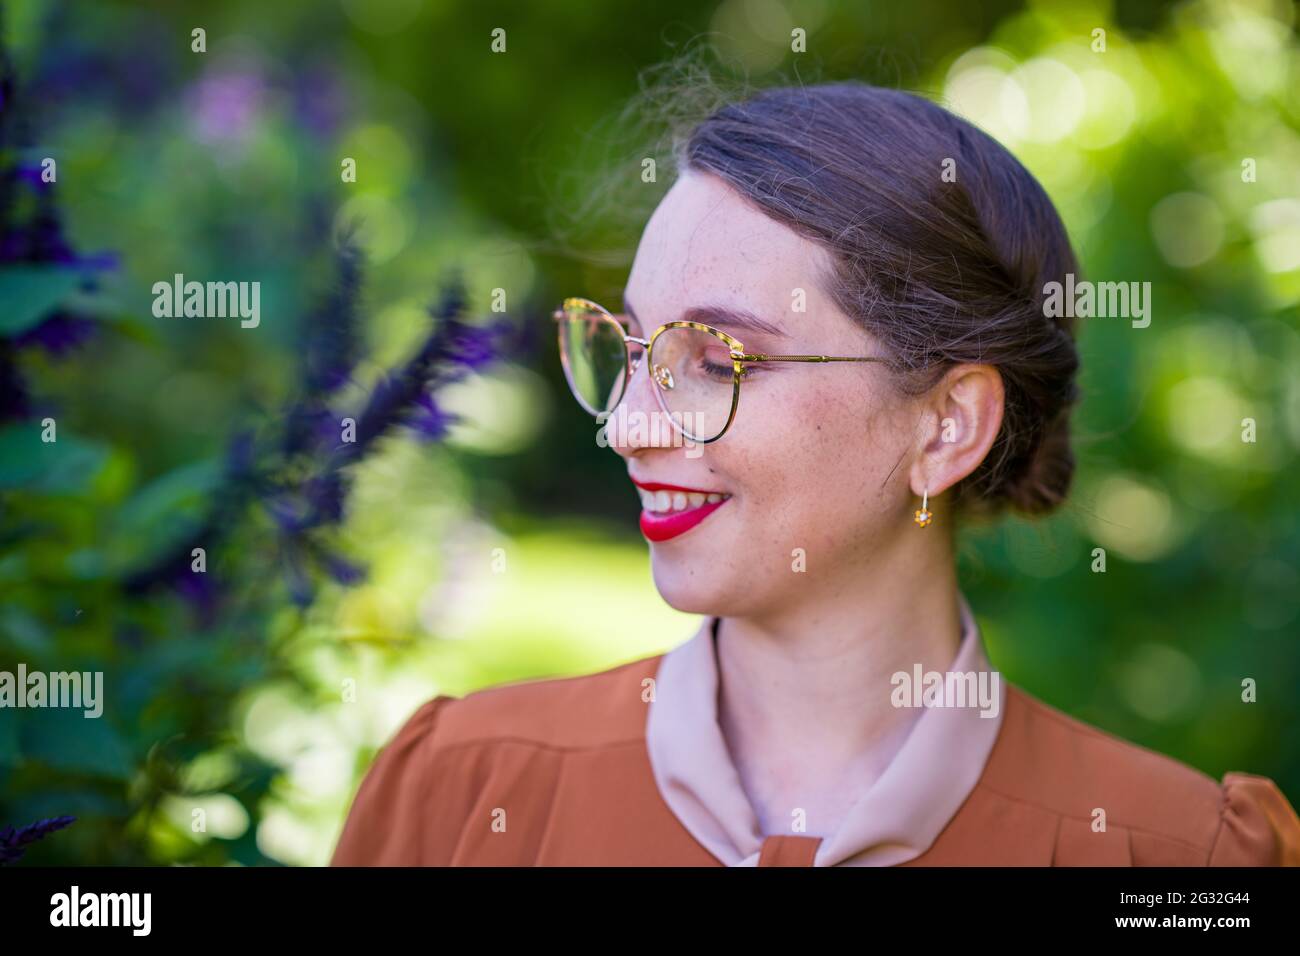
x=722, y=373
x=717, y=364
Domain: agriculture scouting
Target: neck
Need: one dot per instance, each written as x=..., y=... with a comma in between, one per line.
x=804, y=689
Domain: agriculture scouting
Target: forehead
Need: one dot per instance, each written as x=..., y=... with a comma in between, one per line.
x=706, y=243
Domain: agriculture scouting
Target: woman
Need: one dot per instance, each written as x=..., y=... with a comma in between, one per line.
x=868, y=271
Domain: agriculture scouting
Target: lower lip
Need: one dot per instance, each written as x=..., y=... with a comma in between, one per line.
x=659, y=527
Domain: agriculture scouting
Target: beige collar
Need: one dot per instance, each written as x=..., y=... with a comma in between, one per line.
x=894, y=820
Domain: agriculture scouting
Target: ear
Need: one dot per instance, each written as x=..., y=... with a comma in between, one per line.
x=960, y=419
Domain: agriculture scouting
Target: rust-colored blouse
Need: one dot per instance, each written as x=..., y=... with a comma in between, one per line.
x=627, y=767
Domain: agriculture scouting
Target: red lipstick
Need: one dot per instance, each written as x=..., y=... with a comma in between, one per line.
x=661, y=524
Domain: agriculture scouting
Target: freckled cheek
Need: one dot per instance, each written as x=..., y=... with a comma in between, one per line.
x=829, y=472
x=830, y=426
x=833, y=461
x=784, y=451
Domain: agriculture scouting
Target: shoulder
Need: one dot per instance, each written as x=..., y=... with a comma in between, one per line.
x=606, y=708
x=1168, y=812
x=1047, y=757
x=444, y=752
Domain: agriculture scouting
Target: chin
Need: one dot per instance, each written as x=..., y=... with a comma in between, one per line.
x=692, y=586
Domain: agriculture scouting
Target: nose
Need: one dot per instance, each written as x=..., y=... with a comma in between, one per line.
x=638, y=422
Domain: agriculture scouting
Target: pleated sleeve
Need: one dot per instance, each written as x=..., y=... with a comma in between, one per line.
x=384, y=826
x=1257, y=826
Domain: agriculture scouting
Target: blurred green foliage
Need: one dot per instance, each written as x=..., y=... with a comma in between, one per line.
x=226, y=164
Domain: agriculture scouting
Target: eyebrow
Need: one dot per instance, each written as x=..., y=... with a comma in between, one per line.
x=721, y=316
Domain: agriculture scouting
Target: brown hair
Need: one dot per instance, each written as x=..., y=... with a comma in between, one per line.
x=942, y=272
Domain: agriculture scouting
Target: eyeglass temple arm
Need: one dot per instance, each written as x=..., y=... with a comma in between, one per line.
x=803, y=358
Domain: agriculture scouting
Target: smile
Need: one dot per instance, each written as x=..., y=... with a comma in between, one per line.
x=672, y=510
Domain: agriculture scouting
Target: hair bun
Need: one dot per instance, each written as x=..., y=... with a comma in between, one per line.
x=1044, y=480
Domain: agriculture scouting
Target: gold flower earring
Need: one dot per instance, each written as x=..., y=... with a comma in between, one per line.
x=922, y=515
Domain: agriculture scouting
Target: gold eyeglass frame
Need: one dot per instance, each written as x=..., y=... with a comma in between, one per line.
x=737, y=352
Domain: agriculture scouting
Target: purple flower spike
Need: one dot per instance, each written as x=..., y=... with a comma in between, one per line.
x=59, y=334
x=301, y=591
x=99, y=261
x=200, y=592
x=474, y=347
x=14, y=842
x=240, y=454
x=325, y=495
x=430, y=421
x=31, y=175
x=343, y=571
x=286, y=514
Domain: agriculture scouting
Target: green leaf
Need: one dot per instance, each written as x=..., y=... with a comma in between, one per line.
x=30, y=293
x=25, y=631
x=163, y=512
x=64, y=466
x=64, y=739
x=182, y=489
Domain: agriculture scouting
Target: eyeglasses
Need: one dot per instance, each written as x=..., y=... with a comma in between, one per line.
x=697, y=369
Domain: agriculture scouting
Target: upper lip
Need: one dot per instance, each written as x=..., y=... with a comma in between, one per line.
x=663, y=486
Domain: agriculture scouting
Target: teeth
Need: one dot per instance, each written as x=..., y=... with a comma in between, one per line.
x=664, y=502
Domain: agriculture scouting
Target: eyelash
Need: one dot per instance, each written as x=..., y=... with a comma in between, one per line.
x=723, y=373
x=713, y=370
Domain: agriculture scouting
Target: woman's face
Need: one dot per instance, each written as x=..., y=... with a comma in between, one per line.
x=817, y=462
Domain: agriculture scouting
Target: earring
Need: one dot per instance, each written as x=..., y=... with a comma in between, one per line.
x=922, y=516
